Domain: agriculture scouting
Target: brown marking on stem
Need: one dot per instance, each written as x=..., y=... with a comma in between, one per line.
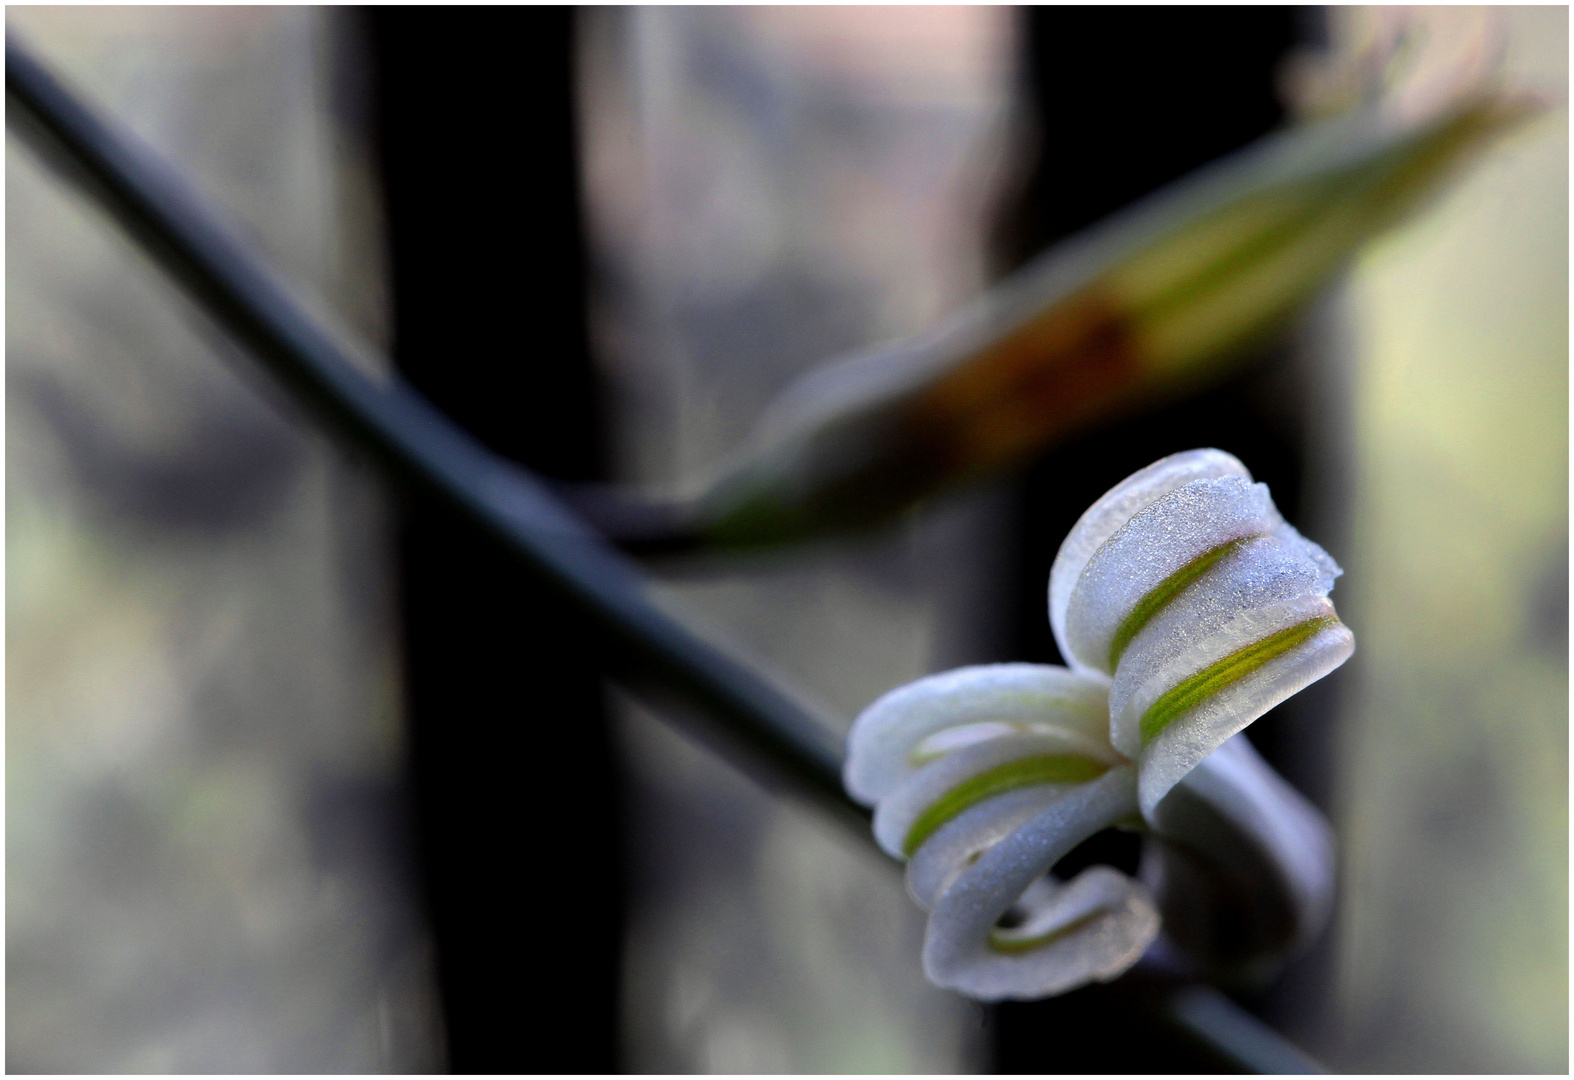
x=1064, y=367
x=1054, y=372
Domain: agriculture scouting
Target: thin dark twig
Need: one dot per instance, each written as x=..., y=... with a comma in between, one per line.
x=1204, y=1011
x=420, y=446
x=637, y=524
x=755, y=723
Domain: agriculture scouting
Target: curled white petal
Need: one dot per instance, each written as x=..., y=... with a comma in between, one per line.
x=902, y=808
x=907, y=728
x=983, y=778
x=1093, y=928
x=1314, y=643
x=1203, y=623
x=1242, y=865
x=1204, y=605
x=1116, y=507
x=1171, y=534
x=1289, y=832
x=958, y=844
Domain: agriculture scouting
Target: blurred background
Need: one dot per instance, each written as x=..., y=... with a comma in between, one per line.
x=284, y=784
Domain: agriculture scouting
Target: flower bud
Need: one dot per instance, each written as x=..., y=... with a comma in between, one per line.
x=1148, y=304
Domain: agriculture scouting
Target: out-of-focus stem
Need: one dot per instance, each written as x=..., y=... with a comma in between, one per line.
x=1158, y=298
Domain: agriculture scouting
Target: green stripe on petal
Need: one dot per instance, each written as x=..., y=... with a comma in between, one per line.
x=1192, y=691
x=1001, y=942
x=1165, y=591
x=1024, y=772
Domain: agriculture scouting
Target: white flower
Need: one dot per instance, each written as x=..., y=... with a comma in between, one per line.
x=1188, y=608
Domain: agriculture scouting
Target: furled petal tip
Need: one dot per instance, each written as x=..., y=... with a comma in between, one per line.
x=1187, y=607
x=1186, y=587
x=1234, y=826
x=982, y=779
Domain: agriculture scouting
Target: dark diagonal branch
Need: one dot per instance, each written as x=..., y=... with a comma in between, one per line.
x=420, y=446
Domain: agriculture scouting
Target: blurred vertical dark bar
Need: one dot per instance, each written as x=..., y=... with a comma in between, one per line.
x=1128, y=99
x=515, y=793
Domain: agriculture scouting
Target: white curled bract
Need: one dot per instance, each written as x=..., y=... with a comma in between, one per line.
x=1187, y=607
x=1205, y=607
x=983, y=778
